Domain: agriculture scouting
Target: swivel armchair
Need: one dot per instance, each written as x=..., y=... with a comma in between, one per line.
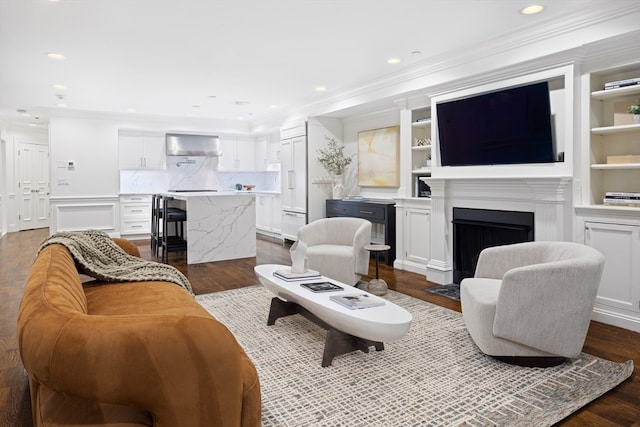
x=530, y=303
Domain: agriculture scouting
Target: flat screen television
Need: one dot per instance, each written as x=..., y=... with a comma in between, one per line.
x=510, y=126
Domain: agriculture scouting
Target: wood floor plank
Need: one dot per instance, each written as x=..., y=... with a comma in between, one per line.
x=618, y=408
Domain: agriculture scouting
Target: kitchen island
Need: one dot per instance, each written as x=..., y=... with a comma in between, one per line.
x=220, y=225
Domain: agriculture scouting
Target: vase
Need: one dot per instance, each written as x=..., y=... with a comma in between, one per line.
x=338, y=187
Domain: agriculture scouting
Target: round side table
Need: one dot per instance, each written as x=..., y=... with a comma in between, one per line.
x=378, y=286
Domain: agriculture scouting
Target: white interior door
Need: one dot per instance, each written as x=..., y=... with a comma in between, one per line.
x=33, y=172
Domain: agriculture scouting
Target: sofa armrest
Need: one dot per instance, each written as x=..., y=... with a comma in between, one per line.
x=185, y=370
x=128, y=246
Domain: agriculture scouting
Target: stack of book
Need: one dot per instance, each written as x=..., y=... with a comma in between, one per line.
x=613, y=198
x=287, y=275
x=622, y=83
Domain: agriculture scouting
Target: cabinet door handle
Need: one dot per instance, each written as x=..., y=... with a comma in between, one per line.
x=366, y=212
x=291, y=182
x=136, y=210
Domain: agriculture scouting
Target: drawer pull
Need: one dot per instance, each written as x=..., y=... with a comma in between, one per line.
x=339, y=209
x=136, y=210
x=366, y=212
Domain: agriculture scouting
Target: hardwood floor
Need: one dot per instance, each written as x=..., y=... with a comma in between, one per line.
x=619, y=407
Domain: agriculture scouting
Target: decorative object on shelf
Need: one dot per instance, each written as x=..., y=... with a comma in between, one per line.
x=428, y=157
x=238, y=187
x=338, y=187
x=635, y=110
x=249, y=187
x=334, y=161
x=423, y=142
x=379, y=157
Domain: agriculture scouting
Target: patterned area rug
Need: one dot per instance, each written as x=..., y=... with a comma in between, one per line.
x=434, y=376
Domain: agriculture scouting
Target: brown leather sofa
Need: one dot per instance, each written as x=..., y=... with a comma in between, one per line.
x=128, y=354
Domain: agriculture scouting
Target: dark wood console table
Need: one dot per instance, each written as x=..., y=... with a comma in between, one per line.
x=375, y=210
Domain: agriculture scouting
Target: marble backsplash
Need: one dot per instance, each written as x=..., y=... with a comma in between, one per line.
x=196, y=173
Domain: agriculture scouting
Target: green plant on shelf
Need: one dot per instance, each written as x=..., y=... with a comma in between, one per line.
x=634, y=108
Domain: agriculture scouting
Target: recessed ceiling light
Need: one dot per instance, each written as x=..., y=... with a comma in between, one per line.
x=61, y=105
x=54, y=55
x=131, y=110
x=189, y=114
x=60, y=87
x=533, y=9
x=320, y=88
x=273, y=106
x=240, y=117
x=393, y=61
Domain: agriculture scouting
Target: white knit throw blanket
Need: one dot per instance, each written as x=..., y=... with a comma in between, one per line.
x=98, y=256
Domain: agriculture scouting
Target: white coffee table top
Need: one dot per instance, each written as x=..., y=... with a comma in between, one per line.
x=384, y=323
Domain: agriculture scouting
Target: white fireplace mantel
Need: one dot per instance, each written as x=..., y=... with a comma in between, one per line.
x=549, y=198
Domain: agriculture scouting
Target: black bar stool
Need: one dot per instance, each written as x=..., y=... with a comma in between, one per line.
x=175, y=242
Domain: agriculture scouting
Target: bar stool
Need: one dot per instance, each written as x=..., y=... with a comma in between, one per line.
x=171, y=242
x=377, y=286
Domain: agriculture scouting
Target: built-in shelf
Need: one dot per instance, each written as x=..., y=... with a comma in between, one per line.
x=421, y=171
x=615, y=93
x=609, y=130
x=421, y=123
x=616, y=166
x=421, y=147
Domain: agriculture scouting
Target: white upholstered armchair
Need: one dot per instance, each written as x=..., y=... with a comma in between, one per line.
x=531, y=303
x=335, y=247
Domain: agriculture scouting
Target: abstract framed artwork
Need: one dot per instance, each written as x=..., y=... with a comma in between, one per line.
x=379, y=157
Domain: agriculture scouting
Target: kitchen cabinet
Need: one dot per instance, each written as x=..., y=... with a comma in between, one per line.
x=294, y=175
x=268, y=214
x=135, y=215
x=618, y=298
x=267, y=152
x=141, y=150
x=238, y=154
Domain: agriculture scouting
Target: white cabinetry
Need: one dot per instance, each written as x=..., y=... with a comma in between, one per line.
x=293, y=159
x=294, y=174
x=618, y=299
x=413, y=221
x=267, y=152
x=141, y=150
x=238, y=154
x=268, y=214
x=135, y=215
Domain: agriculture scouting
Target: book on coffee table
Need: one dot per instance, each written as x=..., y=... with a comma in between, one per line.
x=355, y=302
x=321, y=286
x=287, y=275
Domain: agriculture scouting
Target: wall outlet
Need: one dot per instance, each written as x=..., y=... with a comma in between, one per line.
x=63, y=181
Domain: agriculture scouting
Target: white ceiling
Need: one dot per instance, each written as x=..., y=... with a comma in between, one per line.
x=203, y=57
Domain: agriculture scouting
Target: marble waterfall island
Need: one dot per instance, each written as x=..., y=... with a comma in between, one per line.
x=220, y=225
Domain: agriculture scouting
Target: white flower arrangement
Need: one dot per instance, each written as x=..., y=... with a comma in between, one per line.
x=332, y=157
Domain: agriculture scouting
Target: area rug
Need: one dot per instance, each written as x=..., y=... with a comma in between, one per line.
x=433, y=376
x=450, y=291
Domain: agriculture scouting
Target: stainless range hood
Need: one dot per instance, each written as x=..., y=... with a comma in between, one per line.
x=179, y=144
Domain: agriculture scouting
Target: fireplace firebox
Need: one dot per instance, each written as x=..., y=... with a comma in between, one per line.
x=477, y=229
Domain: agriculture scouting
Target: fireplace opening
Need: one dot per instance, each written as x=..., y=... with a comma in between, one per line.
x=477, y=229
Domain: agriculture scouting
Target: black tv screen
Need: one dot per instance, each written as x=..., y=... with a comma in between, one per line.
x=511, y=126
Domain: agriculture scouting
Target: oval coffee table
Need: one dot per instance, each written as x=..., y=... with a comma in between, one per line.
x=348, y=329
